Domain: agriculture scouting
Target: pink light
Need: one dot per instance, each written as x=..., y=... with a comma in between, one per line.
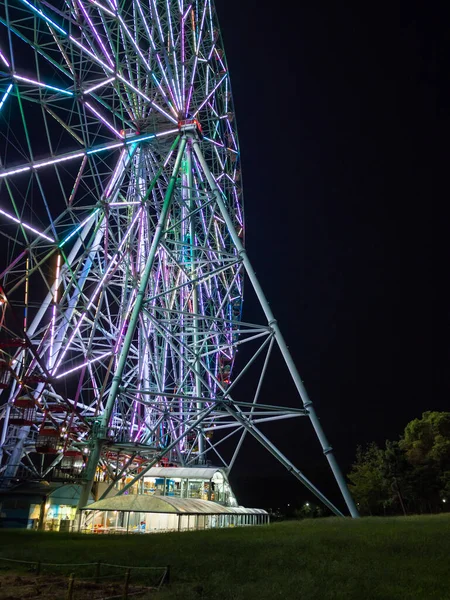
x=111, y=265
x=91, y=54
x=104, y=121
x=209, y=96
x=136, y=47
x=94, y=31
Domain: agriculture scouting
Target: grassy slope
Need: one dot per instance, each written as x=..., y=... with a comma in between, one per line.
x=407, y=558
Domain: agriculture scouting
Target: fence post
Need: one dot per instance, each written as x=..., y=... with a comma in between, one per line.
x=38, y=567
x=70, y=587
x=97, y=571
x=167, y=577
x=126, y=584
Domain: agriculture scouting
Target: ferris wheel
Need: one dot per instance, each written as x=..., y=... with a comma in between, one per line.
x=122, y=245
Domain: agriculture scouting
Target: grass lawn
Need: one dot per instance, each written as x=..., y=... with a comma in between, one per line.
x=385, y=558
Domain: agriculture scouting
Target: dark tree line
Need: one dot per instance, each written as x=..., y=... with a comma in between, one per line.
x=408, y=476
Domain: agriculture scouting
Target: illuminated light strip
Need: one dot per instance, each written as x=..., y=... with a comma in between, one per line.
x=104, y=121
x=103, y=148
x=194, y=70
x=41, y=14
x=158, y=58
x=14, y=171
x=163, y=133
x=55, y=161
x=191, y=84
x=141, y=139
x=183, y=54
x=144, y=20
x=201, y=29
x=96, y=35
x=55, y=300
x=177, y=88
x=98, y=85
x=133, y=43
x=85, y=364
x=91, y=54
x=111, y=265
x=161, y=89
x=209, y=96
x=213, y=142
x=26, y=226
x=44, y=85
x=3, y=58
x=110, y=147
x=107, y=11
x=5, y=95
x=158, y=21
x=116, y=173
x=78, y=227
x=145, y=97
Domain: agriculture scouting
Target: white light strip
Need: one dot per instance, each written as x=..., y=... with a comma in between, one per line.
x=91, y=54
x=57, y=160
x=209, y=96
x=103, y=120
x=3, y=58
x=44, y=85
x=5, y=95
x=85, y=364
x=98, y=85
x=126, y=142
x=107, y=11
x=111, y=266
x=146, y=98
x=14, y=171
x=26, y=226
x=163, y=133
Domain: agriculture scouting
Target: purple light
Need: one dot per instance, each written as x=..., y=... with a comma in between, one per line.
x=94, y=31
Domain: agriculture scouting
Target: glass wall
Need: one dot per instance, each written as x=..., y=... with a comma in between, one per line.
x=216, y=489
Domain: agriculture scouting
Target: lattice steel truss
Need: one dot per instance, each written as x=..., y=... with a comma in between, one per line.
x=122, y=220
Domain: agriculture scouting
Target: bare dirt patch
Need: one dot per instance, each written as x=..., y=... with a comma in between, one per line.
x=48, y=587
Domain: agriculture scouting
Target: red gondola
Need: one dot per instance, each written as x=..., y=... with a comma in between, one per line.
x=48, y=440
x=23, y=411
x=5, y=374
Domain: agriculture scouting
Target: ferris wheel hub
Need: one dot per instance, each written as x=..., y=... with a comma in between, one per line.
x=191, y=126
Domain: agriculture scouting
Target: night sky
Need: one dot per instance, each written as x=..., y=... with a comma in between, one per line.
x=336, y=104
x=335, y=107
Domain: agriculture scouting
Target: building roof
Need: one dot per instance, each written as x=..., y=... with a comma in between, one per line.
x=185, y=472
x=166, y=504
